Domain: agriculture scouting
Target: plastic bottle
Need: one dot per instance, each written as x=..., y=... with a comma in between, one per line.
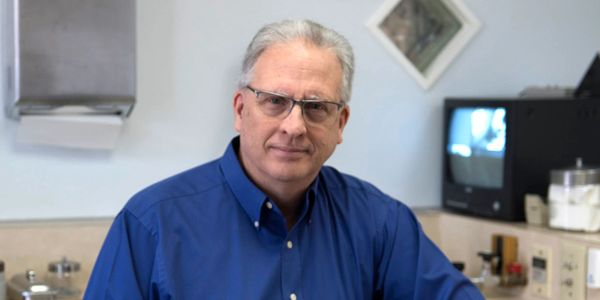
x=2, y=282
x=487, y=280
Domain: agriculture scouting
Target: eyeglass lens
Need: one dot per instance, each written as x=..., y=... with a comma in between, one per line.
x=314, y=111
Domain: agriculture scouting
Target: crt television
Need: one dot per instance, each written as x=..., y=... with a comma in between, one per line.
x=589, y=86
x=497, y=150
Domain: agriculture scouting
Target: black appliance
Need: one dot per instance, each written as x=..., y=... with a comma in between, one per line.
x=496, y=150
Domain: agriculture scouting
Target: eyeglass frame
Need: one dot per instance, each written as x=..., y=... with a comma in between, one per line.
x=300, y=102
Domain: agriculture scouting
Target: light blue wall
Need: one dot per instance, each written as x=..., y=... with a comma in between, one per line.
x=188, y=57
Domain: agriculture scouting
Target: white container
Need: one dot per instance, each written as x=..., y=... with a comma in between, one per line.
x=574, y=198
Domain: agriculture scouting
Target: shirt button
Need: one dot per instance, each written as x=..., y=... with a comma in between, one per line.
x=269, y=205
x=290, y=245
x=293, y=296
x=256, y=224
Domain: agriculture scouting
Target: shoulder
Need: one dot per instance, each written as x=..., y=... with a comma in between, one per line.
x=187, y=184
x=364, y=198
x=356, y=189
x=342, y=181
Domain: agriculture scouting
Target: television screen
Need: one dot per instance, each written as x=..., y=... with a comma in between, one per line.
x=476, y=146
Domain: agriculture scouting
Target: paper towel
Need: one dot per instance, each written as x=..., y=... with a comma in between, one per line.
x=575, y=207
x=76, y=131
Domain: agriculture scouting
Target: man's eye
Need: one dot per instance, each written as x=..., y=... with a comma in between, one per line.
x=315, y=106
x=276, y=100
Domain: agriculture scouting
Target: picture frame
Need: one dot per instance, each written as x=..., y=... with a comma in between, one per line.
x=425, y=36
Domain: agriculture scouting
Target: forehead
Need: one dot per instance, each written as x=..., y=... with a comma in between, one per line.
x=297, y=67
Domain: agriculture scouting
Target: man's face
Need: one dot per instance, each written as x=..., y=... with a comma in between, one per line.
x=287, y=149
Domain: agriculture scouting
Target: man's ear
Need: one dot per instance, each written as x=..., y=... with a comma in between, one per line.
x=238, y=109
x=344, y=116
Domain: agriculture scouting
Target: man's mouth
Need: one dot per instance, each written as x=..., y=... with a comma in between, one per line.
x=289, y=152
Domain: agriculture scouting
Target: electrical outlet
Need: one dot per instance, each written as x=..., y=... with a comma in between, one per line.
x=573, y=266
x=541, y=271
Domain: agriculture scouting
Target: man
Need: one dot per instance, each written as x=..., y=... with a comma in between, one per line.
x=268, y=220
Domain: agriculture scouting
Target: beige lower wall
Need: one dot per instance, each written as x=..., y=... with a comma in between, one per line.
x=461, y=237
x=32, y=245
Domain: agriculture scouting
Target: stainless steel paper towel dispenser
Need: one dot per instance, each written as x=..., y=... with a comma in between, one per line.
x=69, y=57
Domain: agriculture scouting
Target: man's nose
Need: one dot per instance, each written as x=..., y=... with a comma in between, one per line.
x=294, y=123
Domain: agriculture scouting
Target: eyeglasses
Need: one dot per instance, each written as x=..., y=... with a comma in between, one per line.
x=280, y=106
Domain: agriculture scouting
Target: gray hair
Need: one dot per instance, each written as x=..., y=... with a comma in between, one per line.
x=289, y=30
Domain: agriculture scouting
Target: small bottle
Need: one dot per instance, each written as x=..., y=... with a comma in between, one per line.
x=2, y=282
x=487, y=279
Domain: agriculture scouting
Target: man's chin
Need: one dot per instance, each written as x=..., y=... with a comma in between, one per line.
x=289, y=177
x=292, y=174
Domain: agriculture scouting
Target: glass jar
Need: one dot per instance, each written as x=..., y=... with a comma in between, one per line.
x=63, y=275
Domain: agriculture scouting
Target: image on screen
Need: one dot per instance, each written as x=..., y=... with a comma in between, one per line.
x=476, y=146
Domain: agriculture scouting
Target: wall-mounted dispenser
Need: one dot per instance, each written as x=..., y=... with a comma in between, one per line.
x=70, y=68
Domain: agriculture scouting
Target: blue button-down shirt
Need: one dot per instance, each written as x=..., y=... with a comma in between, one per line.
x=210, y=233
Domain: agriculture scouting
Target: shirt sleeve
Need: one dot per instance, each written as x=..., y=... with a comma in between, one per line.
x=125, y=268
x=412, y=267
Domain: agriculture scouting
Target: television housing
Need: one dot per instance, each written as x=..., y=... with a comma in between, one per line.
x=496, y=150
x=589, y=86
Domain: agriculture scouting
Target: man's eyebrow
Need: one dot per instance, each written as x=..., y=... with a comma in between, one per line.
x=308, y=95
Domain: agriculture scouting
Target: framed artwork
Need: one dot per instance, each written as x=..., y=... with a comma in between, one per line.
x=424, y=35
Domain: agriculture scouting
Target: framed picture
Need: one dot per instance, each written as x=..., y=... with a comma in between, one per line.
x=424, y=35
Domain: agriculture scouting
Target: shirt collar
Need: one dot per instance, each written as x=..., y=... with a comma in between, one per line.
x=251, y=198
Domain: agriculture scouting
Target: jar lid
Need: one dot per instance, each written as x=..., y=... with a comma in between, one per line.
x=63, y=266
x=578, y=175
x=27, y=285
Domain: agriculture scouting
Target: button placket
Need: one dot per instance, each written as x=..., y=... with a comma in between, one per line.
x=291, y=267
